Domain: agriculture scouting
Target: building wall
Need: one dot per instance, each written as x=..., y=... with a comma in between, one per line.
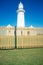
x=24, y=38
x=10, y=32
x=21, y=31
x=26, y=31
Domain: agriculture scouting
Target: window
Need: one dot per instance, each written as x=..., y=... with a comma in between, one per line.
x=21, y=32
x=28, y=32
x=9, y=31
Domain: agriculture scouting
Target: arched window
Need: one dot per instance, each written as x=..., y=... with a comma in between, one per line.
x=28, y=32
x=21, y=32
x=9, y=31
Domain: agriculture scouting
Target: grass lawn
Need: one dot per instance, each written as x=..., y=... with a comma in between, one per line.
x=22, y=57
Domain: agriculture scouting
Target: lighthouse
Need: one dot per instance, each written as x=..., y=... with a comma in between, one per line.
x=20, y=16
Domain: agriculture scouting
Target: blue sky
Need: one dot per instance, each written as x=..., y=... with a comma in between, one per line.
x=33, y=14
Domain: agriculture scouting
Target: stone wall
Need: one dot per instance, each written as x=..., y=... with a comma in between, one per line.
x=11, y=38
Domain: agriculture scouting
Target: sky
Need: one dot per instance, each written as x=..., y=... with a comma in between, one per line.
x=33, y=12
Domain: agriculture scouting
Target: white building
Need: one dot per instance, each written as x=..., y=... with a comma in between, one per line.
x=20, y=16
x=20, y=29
x=10, y=30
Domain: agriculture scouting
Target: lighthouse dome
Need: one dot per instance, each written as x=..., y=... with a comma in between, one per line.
x=20, y=6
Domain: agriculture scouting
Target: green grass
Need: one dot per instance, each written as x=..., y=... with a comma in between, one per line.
x=22, y=57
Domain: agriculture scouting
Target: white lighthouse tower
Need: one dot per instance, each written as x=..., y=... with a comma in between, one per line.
x=20, y=16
